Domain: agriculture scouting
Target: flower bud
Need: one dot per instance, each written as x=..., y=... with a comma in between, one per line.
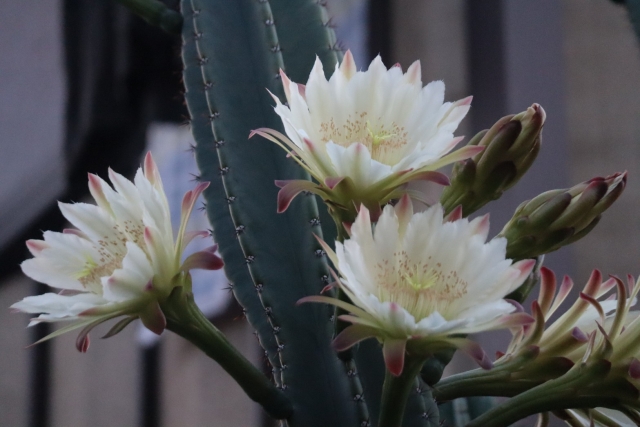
x=559, y=217
x=511, y=146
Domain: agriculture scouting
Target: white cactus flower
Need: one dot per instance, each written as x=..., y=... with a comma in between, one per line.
x=121, y=260
x=419, y=278
x=363, y=134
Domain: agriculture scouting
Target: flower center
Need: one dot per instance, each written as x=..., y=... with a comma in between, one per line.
x=385, y=142
x=420, y=288
x=421, y=280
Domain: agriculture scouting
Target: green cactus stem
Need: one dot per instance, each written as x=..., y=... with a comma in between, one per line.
x=235, y=264
x=239, y=55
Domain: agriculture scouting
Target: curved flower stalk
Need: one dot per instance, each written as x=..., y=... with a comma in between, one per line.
x=417, y=282
x=362, y=135
x=121, y=260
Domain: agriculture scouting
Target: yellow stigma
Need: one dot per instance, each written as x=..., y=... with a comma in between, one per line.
x=421, y=280
x=378, y=137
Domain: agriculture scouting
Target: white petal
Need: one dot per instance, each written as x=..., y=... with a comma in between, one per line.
x=59, y=306
x=130, y=281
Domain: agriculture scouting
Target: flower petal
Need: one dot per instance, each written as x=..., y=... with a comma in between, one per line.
x=393, y=351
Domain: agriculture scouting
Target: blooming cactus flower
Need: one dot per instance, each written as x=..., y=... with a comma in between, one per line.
x=122, y=260
x=421, y=279
x=364, y=134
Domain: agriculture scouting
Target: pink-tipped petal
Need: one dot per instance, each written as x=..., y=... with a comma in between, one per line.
x=464, y=101
x=348, y=66
x=476, y=352
x=347, y=227
x=153, y=318
x=82, y=343
x=432, y=176
x=352, y=335
x=285, y=84
x=205, y=260
x=404, y=212
x=190, y=198
x=393, y=352
x=190, y=235
x=516, y=304
x=465, y=152
x=414, y=73
x=563, y=292
x=525, y=266
x=151, y=170
x=95, y=188
x=535, y=330
x=329, y=287
x=454, y=215
x=547, y=289
x=36, y=246
x=482, y=227
x=579, y=335
x=593, y=284
x=516, y=320
x=290, y=190
x=302, y=90
x=333, y=181
x=606, y=286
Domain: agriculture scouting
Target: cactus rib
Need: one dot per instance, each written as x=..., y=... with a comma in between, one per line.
x=225, y=229
x=238, y=56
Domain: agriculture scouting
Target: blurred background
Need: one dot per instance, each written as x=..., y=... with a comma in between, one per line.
x=85, y=85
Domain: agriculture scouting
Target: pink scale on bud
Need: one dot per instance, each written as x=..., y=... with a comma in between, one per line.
x=634, y=369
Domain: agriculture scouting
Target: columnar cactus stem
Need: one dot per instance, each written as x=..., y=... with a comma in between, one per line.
x=225, y=229
x=284, y=260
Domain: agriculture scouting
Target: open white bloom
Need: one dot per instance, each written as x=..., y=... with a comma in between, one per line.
x=417, y=277
x=363, y=134
x=121, y=260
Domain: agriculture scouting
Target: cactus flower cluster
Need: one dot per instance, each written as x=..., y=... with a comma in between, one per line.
x=420, y=283
x=120, y=260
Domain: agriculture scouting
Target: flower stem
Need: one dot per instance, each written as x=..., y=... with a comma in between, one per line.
x=185, y=319
x=396, y=390
x=479, y=382
x=569, y=391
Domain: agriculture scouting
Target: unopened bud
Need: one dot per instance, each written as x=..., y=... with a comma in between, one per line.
x=560, y=217
x=511, y=146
